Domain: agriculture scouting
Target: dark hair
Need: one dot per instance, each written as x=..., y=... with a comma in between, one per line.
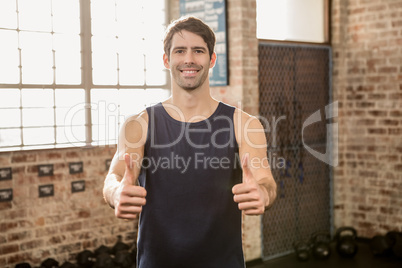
x=191, y=24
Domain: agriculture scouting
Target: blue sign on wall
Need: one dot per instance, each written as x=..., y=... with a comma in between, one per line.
x=213, y=13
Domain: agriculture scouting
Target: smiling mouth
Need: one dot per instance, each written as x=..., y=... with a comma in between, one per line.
x=189, y=73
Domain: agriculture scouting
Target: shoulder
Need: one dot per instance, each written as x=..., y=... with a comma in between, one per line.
x=248, y=128
x=244, y=120
x=134, y=130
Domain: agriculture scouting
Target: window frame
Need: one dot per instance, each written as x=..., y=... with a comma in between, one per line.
x=86, y=84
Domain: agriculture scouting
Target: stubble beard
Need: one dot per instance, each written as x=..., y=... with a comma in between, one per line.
x=194, y=82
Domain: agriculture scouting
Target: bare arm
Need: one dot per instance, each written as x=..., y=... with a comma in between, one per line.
x=258, y=190
x=120, y=188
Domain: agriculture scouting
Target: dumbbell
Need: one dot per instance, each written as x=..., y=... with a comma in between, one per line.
x=346, y=245
x=320, y=242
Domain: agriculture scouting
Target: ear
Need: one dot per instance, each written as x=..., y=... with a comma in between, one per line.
x=166, y=61
x=213, y=60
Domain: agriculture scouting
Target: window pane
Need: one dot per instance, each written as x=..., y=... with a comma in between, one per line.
x=42, y=135
x=70, y=116
x=156, y=74
x=131, y=62
x=291, y=20
x=10, y=118
x=9, y=98
x=103, y=17
x=133, y=101
x=67, y=58
x=105, y=134
x=35, y=15
x=9, y=58
x=70, y=134
x=69, y=97
x=9, y=137
x=8, y=14
x=66, y=14
x=104, y=105
x=37, y=58
x=38, y=117
x=104, y=60
x=37, y=97
x=126, y=22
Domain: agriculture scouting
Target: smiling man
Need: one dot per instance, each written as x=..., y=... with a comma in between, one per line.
x=190, y=217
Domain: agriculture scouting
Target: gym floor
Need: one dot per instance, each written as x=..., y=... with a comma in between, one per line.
x=364, y=259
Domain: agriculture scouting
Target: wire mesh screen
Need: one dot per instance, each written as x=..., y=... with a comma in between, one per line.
x=294, y=83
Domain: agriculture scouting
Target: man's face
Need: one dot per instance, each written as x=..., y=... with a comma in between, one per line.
x=189, y=61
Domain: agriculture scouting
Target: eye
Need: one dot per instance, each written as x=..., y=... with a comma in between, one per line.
x=199, y=51
x=179, y=51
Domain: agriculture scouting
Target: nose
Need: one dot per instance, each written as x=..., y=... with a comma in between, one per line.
x=189, y=58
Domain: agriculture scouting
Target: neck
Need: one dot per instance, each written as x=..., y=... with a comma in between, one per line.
x=194, y=105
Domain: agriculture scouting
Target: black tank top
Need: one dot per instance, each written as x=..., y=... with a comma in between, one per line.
x=189, y=169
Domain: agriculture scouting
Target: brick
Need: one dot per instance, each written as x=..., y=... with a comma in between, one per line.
x=71, y=227
x=8, y=248
x=378, y=113
x=380, y=131
x=84, y=214
x=19, y=236
x=396, y=23
x=395, y=131
x=389, y=122
x=6, y=226
x=49, y=157
x=23, y=158
x=32, y=244
x=395, y=113
x=58, y=239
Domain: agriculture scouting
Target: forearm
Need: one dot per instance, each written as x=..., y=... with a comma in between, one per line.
x=111, y=184
x=268, y=186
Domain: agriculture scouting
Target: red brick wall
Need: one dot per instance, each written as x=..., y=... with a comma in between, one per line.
x=367, y=81
x=33, y=228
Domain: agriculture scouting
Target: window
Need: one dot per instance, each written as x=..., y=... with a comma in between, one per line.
x=71, y=71
x=293, y=20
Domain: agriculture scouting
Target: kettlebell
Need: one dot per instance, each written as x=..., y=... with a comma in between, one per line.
x=119, y=245
x=302, y=249
x=396, y=238
x=381, y=245
x=320, y=242
x=346, y=245
x=85, y=259
x=23, y=265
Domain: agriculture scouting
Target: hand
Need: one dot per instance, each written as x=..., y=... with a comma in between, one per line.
x=251, y=197
x=129, y=198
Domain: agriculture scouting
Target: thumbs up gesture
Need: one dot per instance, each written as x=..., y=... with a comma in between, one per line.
x=250, y=196
x=129, y=198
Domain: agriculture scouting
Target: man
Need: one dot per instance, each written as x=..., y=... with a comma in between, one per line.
x=178, y=165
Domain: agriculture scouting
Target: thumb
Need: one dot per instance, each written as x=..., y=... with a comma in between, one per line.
x=247, y=175
x=129, y=172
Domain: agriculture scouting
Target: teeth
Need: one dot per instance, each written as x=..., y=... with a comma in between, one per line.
x=190, y=72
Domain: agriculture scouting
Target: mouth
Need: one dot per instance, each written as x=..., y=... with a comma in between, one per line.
x=189, y=72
